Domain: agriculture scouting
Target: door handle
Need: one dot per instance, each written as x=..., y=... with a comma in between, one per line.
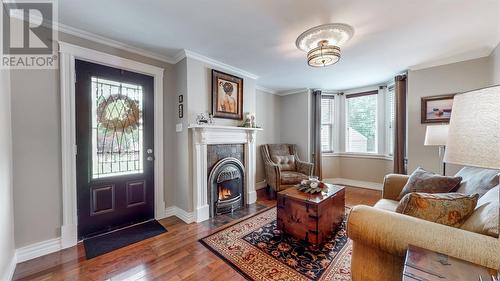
x=150, y=158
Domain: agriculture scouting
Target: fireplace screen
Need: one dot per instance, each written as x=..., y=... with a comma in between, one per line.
x=226, y=186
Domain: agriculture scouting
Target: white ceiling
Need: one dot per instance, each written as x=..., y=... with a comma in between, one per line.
x=259, y=35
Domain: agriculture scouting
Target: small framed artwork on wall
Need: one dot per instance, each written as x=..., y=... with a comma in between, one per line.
x=227, y=95
x=181, y=111
x=436, y=109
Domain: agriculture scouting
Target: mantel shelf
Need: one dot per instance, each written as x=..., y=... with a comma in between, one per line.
x=217, y=127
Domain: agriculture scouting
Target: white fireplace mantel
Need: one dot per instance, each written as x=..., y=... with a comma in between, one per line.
x=204, y=135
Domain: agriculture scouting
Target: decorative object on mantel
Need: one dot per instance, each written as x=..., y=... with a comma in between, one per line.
x=227, y=95
x=312, y=185
x=436, y=109
x=201, y=119
x=322, y=43
x=249, y=121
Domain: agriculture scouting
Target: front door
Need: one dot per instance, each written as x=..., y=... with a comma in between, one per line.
x=114, y=137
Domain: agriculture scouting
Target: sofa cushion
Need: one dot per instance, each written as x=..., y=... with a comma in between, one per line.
x=450, y=209
x=289, y=177
x=477, y=180
x=387, y=204
x=422, y=181
x=286, y=162
x=485, y=218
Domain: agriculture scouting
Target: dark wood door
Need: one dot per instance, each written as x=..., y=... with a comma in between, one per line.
x=115, y=157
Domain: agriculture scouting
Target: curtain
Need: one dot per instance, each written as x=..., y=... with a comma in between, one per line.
x=316, y=144
x=400, y=124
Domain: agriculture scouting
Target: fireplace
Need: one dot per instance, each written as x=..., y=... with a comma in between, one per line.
x=226, y=186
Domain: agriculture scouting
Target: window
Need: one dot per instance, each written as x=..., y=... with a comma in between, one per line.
x=361, y=122
x=327, y=113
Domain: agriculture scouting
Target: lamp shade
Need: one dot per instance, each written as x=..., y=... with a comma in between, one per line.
x=436, y=135
x=474, y=133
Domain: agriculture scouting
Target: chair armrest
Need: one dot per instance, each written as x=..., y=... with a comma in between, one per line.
x=273, y=174
x=392, y=233
x=393, y=184
x=304, y=167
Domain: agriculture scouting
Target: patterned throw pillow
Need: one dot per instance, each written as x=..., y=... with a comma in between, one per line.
x=450, y=209
x=422, y=181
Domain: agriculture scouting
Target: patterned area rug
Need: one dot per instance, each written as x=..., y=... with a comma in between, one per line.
x=256, y=249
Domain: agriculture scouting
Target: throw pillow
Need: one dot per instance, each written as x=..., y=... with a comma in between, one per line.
x=450, y=209
x=286, y=162
x=485, y=218
x=477, y=180
x=422, y=181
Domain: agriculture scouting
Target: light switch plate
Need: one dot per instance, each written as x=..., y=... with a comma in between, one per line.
x=178, y=127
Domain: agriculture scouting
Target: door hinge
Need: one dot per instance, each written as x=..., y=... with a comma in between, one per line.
x=76, y=149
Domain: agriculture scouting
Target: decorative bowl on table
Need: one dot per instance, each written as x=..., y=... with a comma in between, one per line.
x=312, y=185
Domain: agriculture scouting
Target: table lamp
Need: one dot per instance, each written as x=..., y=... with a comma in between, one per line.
x=474, y=133
x=436, y=136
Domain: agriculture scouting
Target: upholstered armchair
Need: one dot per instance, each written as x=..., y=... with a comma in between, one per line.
x=283, y=167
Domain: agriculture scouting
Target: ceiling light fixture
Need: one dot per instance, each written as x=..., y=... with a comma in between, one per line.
x=322, y=43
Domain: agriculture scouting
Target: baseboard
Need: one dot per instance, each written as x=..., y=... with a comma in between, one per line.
x=260, y=185
x=187, y=217
x=355, y=183
x=9, y=271
x=38, y=249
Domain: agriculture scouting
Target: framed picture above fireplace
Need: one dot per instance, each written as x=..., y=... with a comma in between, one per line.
x=227, y=95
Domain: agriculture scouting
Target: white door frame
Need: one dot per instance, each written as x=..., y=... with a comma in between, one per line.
x=68, y=54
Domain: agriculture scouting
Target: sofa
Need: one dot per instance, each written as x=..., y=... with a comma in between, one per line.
x=283, y=167
x=380, y=236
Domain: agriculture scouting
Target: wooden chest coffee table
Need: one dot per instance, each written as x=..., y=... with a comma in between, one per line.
x=311, y=217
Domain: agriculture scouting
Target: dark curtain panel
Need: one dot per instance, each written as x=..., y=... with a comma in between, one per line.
x=317, y=132
x=400, y=125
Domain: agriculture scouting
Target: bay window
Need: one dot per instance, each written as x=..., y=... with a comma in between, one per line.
x=358, y=123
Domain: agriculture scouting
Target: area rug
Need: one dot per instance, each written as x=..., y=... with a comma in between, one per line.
x=256, y=249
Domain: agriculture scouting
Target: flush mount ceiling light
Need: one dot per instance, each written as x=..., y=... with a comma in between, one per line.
x=322, y=43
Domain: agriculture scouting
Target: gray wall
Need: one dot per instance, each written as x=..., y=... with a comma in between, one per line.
x=36, y=122
x=6, y=200
x=295, y=122
x=439, y=80
x=495, y=65
x=267, y=113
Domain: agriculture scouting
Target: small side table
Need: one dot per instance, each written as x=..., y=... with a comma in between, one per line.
x=426, y=265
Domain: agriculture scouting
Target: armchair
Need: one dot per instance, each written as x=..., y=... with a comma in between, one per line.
x=283, y=167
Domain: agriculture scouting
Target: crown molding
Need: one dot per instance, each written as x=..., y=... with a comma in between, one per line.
x=111, y=43
x=129, y=48
x=266, y=90
x=193, y=55
x=292, y=92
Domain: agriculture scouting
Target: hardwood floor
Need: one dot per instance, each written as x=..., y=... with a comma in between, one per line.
x=175, y=255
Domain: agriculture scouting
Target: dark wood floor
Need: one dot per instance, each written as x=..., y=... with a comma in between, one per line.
x=175, y=255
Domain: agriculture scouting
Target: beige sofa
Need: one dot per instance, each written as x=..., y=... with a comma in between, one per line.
x=381, y=236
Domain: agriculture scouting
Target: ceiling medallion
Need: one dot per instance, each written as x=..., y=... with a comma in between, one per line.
x=322, y=43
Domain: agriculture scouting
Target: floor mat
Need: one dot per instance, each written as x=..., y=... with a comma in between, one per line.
x=106, y=243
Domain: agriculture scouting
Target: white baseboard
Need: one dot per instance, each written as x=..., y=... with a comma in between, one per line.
x=9, y=271
x=355, y=183
x=38, y=249
x=260, y=185
x=187, y=217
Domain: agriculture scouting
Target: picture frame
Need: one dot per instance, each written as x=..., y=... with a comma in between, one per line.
x=181, y=110
x=227, y=95
x=436, y=109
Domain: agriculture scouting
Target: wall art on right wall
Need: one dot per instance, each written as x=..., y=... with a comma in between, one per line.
x=436, y=109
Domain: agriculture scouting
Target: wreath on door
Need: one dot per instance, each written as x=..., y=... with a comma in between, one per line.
x=111, y=116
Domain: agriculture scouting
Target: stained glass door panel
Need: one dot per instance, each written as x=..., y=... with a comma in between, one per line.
x=115, y=149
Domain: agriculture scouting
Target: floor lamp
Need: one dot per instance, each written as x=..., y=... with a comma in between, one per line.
x=474, y=133
x=436, y=136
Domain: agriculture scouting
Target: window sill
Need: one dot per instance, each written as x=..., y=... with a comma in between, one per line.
x=358, y=155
